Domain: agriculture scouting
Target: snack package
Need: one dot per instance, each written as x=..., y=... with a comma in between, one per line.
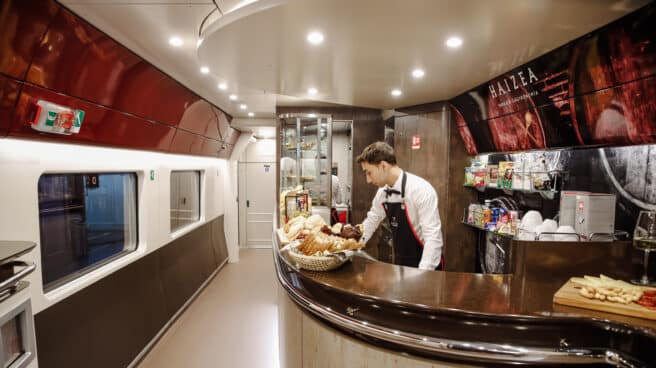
x=492, y=175
x=469, y=176
x=506, y=171
x=479, y=178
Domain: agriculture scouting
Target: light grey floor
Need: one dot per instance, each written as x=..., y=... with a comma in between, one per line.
x=233, y=323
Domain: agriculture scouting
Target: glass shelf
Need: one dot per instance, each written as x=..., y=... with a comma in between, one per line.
x=510, y=236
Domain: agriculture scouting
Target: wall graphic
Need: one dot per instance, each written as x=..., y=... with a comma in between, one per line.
x=598, y=89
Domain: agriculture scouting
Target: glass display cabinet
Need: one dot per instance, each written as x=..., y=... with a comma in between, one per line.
x=305, y=164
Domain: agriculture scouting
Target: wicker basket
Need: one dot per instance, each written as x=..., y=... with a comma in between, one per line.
x=319, y=263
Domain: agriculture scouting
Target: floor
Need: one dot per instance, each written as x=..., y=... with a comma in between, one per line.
x=232, y=323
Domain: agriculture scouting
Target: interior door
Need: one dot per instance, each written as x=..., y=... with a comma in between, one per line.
x=257, y=202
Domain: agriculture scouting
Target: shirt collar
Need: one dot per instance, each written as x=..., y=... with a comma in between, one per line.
x=398, y=183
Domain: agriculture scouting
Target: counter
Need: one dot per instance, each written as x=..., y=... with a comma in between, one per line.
x=476, y=318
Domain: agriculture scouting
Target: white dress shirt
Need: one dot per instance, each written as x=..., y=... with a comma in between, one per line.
x=421, y=202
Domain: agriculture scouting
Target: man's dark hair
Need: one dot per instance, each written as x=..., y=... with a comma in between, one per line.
x=377, y=152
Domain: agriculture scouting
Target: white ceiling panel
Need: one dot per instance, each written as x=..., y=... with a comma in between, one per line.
x=370, y=47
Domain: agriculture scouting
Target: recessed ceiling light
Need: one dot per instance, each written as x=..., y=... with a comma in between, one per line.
x=175, y=41
x=312, y=115
x=204, y=69
x=315, y=37
x=312, y=91
x=251, y=114
x=199, y=42
x=396, y=92
x=454, y=42
x=223, y=86
x=418, y=73
x=243, y=106
x=233, y=97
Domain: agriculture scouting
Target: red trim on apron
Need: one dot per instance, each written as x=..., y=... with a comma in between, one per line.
x=412, y=227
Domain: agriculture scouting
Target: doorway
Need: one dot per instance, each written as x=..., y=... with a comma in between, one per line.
x=257, y=194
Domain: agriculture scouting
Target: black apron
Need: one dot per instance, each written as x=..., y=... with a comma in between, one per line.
x=408, y=248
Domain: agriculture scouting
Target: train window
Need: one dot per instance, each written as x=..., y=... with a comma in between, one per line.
x=85, y=221
x=185, y=198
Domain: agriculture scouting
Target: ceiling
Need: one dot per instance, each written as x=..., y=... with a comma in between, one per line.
x=259, y=48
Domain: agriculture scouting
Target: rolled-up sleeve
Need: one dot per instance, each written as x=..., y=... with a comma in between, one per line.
x=375, y=215
x=431, y=228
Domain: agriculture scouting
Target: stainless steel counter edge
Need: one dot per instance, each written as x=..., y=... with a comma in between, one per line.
x=464, y=351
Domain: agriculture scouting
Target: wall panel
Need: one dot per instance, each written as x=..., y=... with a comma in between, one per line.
x=128, y=102
x=101, y=125
x=22, y=25
x=107, y=324
x=9, y=90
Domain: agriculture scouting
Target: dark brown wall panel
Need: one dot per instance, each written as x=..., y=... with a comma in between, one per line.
x=108, y=323
x=460, y=252
x=100, y=125
x=22, y=25
x=184, y=265
x=9, y=90
x=219, y=241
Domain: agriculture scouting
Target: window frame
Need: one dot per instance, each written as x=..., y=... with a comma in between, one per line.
x=80, y=273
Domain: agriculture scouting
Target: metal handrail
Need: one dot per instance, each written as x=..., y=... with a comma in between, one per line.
x=11, y=282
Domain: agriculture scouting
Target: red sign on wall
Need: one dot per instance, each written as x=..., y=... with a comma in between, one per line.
x=416, y=142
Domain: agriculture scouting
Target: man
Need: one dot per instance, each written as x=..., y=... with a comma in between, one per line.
x=410, y=205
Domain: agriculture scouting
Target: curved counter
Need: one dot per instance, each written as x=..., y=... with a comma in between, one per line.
x=476, y=318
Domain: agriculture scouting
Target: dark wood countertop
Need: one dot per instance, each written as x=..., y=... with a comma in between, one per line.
x=513, y=302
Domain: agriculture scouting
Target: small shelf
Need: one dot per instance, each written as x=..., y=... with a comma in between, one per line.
x=487, y=230
x=484, y=188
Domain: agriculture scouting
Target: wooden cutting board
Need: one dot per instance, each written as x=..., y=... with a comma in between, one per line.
x=569, y=295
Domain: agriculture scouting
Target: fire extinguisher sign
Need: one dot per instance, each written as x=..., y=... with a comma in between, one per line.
x=416, y=142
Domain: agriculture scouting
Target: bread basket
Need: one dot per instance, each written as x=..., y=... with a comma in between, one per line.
x=318, y=263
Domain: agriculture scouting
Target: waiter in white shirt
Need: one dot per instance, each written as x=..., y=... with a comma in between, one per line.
x=410, y=205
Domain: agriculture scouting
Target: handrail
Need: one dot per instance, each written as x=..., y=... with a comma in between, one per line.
x=14, y=279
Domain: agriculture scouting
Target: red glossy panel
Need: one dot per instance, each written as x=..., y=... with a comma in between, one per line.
x=77, y=59
x=210, y=147
x=182, y=142
x=223, y=124
x=101, y=125
x=148, y=92
x=9, y=90
x=213, y=126
x=22, y=25
x=232, y=136
x=197, y=117
x=197, y=145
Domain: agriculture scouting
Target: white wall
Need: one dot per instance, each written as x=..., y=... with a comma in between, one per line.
x=23, y=162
